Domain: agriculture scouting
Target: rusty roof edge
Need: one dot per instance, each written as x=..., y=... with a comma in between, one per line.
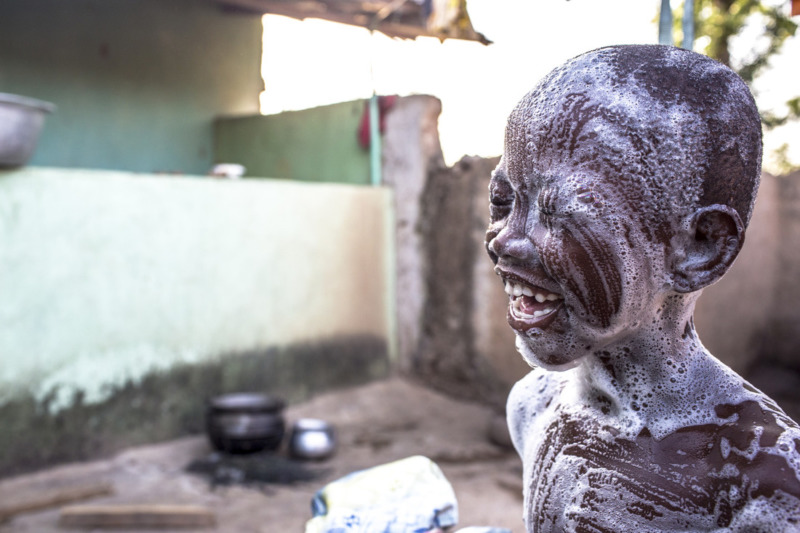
x=460, y=29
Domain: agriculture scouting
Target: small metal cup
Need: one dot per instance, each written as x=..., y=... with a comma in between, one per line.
x=312, y=438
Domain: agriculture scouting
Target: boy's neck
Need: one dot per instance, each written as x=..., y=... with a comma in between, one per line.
x=654, y=377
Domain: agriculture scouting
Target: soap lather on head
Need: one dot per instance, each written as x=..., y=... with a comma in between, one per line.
x=619, y=170
x=628, y=178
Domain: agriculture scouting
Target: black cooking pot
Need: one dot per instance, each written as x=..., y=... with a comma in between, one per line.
x=245, y=422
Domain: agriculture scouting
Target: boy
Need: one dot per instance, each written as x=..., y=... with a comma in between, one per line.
x=627, y=180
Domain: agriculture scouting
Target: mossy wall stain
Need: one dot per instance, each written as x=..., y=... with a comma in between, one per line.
x=169, y=404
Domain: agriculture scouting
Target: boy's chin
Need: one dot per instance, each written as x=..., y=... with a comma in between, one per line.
x=549, y=354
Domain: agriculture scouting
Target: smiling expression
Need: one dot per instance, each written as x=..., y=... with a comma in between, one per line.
x=583, y=206
x=604, y=162
x=572, y=254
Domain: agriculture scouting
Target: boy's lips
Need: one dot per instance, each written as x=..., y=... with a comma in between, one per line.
x=530, y=306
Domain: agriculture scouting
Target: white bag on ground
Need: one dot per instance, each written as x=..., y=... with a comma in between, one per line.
x=407, y=496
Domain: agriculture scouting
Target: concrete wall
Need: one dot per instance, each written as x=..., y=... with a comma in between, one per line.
x=750, y=319
x=128, y=299
x=448, y=299
x=411, y=155
x=138, y=83
x=783, y=343
x=733, y=316
x=318, y=144
x=466, y=345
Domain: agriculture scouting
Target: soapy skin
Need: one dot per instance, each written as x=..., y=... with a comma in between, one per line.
x=627, y=180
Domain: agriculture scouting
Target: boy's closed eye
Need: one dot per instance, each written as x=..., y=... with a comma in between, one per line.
x=501, y=196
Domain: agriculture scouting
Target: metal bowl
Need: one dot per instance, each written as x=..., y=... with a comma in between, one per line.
x=312, y=438
x=245, y=422
x=21, y=121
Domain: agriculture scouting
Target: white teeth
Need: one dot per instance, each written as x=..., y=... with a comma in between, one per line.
x=547, y=310
x=516, y=290
x=527, y=291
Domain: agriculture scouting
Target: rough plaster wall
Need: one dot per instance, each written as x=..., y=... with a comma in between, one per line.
x=107, y=276
x=451, y=326
x=466, y=346
x=411, y=151
x=775, y=368
x=733, y=315
x=446, y=354
x=783, y=342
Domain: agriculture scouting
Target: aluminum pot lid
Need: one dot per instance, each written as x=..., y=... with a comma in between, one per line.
x=26, y=101
x=247, y=402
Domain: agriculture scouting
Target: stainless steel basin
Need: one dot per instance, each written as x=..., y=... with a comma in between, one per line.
x=21, y=121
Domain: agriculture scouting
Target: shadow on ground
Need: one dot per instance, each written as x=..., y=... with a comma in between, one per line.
x=376, y=423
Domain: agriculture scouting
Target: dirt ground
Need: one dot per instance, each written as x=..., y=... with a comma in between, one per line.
x=375, y=424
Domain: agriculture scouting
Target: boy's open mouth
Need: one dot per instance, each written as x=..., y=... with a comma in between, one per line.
x=530, y=306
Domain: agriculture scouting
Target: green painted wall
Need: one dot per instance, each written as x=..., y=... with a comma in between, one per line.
x=119, y=289
x=107, y=275
x=318, y=144
x=138, y=83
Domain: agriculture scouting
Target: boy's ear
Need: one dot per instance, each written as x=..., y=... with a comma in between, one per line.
x=711, y=239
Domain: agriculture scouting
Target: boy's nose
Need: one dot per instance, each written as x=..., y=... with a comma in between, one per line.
x=512, y=244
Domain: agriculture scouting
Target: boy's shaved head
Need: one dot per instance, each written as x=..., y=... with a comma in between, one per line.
x=628, y=176
x=680, y=123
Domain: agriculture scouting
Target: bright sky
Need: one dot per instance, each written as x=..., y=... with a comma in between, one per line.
x=312, y=63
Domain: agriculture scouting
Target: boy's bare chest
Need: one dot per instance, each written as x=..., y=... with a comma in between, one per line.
x=583, y=476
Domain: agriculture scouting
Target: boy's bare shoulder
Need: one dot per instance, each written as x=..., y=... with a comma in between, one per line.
x=530, y=399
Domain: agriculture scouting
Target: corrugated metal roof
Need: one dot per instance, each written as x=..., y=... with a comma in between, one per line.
x=408, y=19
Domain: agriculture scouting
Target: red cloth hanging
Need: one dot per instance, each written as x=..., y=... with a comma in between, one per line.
x=795, y=7
x=385, y=103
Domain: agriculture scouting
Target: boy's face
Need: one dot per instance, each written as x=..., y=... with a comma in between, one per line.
x=579, y=251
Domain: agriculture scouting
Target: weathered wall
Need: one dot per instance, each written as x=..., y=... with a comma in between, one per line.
x=121, y=289
x=783, y=342
x=137, y=82
x=776, y=367
x=732, y=316
x=451, y=328
x=318, y=144
x=465, y=345
x=411, y=154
